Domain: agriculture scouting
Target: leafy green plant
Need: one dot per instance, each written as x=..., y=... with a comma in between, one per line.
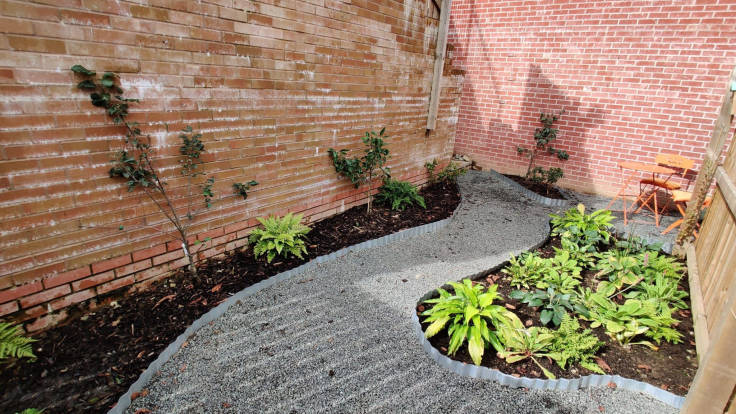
x=631, y=319
x=242, y=188
x=363, y=170
x=135, y=161
x=399, y=194
x=471, y=316
x=547, y=177
x=554, y=305
x=583, y=229
x=13, y=344
x=520, y=344
x=572, y=346
x=527, y=269
x=664, y=291
x=31, y=411
x=620, y=267
x=543, y=138
x=280, y=237
x=448, y=174
x=581, y=255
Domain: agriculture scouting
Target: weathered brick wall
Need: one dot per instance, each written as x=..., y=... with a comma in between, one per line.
x=271, y=85
x=635, y=78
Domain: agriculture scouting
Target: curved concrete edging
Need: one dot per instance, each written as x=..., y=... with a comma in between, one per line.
x=125, y=400
x=562, y=384
x=550, y=202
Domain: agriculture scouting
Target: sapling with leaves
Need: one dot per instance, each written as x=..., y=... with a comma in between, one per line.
x=365, y=169
x=543, y=138
x=135, y=161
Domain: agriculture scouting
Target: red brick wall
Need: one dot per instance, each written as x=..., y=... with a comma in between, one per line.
x=270, y=84
x=635, y=78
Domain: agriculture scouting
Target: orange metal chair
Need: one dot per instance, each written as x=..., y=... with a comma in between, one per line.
x=681, y=165
x=681, y=198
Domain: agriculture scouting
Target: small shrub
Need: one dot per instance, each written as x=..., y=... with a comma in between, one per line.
x=470, y=313
x=13, y=344
x=399, y=194
x=280, y=237
x=360, y=170
x=543, y=138
x=448, y=174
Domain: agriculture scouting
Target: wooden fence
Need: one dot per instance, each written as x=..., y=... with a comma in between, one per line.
x=712, y=274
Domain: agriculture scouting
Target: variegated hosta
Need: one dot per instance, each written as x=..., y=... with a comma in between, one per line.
x=469, y=315
x=523, y=343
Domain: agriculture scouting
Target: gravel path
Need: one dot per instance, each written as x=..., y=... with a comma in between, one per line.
x=339, y=338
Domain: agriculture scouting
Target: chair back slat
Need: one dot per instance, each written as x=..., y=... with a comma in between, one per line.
x=676, y=161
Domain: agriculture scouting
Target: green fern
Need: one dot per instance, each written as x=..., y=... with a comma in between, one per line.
x=570, y=345
x=399, y=194
x=280, y=237
x=13, y=344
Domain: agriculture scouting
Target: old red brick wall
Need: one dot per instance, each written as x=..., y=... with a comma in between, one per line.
x=635, y=78
x=271, y=85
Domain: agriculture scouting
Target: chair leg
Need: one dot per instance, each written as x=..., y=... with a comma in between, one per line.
x=672, y=226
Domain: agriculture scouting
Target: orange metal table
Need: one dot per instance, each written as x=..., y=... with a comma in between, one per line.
x=635, y=169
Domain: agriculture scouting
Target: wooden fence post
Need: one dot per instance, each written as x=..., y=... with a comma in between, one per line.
x=710, y=163
x=439, y=63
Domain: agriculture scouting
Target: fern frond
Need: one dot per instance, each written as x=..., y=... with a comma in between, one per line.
x=13, y=344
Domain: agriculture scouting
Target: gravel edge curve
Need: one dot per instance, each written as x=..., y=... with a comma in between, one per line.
x=125, y=400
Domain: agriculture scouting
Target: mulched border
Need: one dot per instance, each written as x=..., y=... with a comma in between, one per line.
x=121, y=340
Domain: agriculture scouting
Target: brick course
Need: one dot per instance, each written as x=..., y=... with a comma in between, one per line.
x=270, y=87
x=635, y=78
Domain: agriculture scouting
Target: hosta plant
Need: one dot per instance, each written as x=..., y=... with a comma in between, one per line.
x=527, y=269
x=13, y=344
x=520, y=344
x=663, y=290
x=582, y=255
x=470, y=316
x=572, y=346
x=399, y=194
x=280, y=237
x=581, y=228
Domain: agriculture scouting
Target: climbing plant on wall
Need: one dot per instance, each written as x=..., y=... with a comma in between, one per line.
x=135, y=162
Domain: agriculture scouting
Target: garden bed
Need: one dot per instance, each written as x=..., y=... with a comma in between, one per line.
x=539, y=188
x=671, y=367
x=86, y=364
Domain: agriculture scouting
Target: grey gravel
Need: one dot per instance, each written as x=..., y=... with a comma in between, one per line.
x=339, y=337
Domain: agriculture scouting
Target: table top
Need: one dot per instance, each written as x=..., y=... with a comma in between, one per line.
x=640, y=166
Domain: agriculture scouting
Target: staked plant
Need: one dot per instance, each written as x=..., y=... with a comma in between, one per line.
x=543, y=138
x=280, y=237
x=135, y=161
x=470, y=316
x=399, y=194
x=365, y=169
x=13, y=344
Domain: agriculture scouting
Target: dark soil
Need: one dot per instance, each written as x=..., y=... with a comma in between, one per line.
x=672, y=367
x=86, y=364
x=540, y=188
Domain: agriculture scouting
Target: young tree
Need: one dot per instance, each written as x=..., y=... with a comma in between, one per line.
x=367, y=168
x=543, y=138
x=135, y=163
